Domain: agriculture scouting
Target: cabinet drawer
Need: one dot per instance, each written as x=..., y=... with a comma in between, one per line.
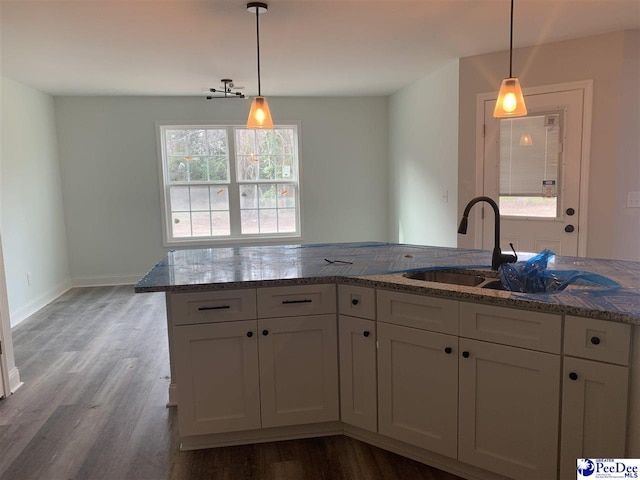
x=510, y=326
x=211, y=307
x=357, y=301
x=296, y=300
x=597, y=339
x=418, y=311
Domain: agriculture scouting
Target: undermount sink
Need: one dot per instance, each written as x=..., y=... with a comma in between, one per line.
x=466, y=278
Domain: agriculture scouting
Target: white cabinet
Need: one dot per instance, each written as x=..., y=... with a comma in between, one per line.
x=418, y=387
x=358, y=403
x=594, y=393
x=235, y=374
x=357, y=347
x=298, y=370
x=217, y=367
x=509, y=397
x=509, y=407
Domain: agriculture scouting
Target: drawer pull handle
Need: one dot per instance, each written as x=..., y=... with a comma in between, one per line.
x=355, y=301
x=573, y=376
x=595, y=340
x=465, y=354
x=219, y=307
x=366, y=333
x=448, y=350
x=288, y=302
x=249, y=334
x=265, y=332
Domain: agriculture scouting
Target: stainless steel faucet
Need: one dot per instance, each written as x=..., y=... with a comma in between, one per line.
x=497, y=258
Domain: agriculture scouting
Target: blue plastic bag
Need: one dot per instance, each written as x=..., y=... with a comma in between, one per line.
x=532, y=276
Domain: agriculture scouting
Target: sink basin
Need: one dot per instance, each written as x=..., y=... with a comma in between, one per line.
x=467, y=279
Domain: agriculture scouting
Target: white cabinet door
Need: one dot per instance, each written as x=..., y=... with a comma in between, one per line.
x=298, y=370
x=358, y=403
x=594, y=412
x=509, y=410
x=217, y=370
x=418, y=387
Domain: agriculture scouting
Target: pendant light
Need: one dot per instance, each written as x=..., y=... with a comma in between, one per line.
x=510, y=101
x=259, y=115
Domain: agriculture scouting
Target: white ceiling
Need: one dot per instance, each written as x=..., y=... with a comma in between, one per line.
x=308, y=47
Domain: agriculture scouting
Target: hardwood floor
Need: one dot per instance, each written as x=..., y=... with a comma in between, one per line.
x=96, y=374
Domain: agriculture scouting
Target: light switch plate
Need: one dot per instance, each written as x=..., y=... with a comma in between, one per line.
x=633, y=200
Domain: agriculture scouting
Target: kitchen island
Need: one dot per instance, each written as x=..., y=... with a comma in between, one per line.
x=283, y=321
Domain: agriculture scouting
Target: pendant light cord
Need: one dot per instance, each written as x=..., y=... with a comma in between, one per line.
x=510, y=45
x=258, y=43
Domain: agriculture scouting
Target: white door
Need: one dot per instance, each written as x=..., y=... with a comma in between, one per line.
x=298, y=370
x=532, y=169
x=217, y=371
x=418, y=387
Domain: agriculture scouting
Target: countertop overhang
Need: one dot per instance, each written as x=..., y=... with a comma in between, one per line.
x=381, y=265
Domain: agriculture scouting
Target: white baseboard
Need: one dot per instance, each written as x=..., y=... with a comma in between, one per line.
x=25, y=311
x=14, y=380
x=106, y=280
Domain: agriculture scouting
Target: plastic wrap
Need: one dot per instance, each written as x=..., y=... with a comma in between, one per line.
x=532, y=276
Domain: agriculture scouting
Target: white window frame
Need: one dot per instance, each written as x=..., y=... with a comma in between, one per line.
x=236, y=236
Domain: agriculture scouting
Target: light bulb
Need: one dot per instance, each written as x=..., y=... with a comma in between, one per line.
x=509, y=103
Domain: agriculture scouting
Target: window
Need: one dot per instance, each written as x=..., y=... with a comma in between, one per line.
x=530, y=160
x=224, y=183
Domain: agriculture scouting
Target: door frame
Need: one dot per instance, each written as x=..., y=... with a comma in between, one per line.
x=587, y=89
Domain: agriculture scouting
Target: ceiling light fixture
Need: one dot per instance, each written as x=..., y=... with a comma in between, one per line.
x=226, y=89
x=259, y=115
x=510, y=101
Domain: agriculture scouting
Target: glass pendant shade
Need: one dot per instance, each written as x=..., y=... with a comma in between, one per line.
x=259, y=115
x=526, y=140
x=510, y=101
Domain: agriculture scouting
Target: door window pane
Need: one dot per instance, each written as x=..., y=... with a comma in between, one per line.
x=530, y=160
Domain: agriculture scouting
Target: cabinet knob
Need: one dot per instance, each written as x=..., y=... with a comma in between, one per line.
x=265, y=332
x=569, y=228
x=465, y=354
x=366, y=333
x=573, y=376
x=249, y=334
x=355, y=301
x=595, y=340
x=448, y=350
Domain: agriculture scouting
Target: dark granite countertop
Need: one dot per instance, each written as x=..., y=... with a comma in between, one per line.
x=381, y=265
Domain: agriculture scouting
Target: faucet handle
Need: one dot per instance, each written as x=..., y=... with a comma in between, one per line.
x=514, y=252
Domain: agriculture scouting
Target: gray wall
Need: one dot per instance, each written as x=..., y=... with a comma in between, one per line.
x=31, y=209
x=111, y=186
x=423, y=160
x=610, y=60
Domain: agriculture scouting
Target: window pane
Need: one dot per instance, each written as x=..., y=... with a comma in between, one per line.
x=181, y=224
x=287, y=220
x=268, y=221
x=286, y=196
x=247, y=167
x=176, y=143
x=217, y=142
x=177, y=169
x=198, y=169
x=220, y=223
x=245, y=142
x=201, y=224
x=196, y=142
x=267, y=196
x=267, y=168
x=219, y=169
x=219, y=198
x=529, y=165
x=179, y=198
x=199, y=198
x=248, y=196
x=249, y=221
